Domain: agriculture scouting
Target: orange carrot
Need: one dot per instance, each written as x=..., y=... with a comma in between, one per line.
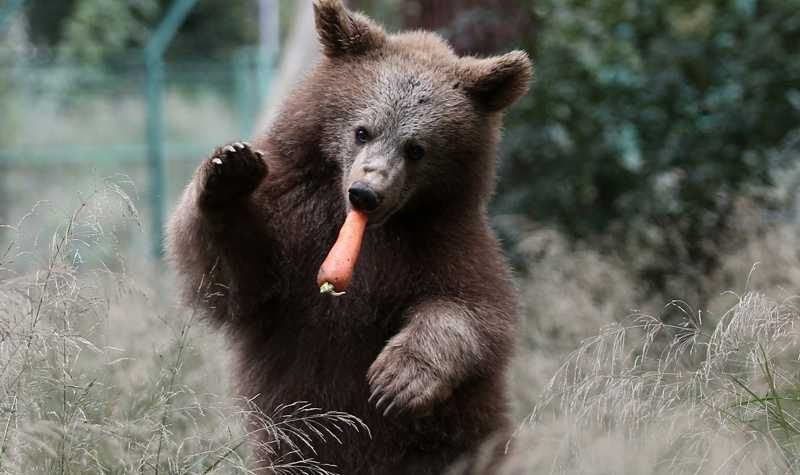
x=336, y=270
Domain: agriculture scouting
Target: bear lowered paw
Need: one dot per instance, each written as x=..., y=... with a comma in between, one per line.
x=401, y=383
x=233, y=171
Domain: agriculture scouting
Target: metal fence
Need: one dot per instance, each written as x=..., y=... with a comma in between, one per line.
x=61, y=116
x=60, y=119
x=141, y=116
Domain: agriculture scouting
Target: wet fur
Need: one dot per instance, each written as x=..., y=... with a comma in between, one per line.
x=427, y=325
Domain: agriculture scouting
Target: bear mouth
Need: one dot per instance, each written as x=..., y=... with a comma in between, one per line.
x=378, y=221
x=377, y=217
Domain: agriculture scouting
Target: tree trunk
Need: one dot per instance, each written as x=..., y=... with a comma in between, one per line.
x=478, y=27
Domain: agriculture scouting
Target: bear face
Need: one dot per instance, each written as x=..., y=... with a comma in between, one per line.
x=406, y=138
x=410, y=123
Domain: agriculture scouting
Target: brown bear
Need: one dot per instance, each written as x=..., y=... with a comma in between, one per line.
x=400, y=127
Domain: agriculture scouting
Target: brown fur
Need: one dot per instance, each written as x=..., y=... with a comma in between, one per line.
x=426, y=327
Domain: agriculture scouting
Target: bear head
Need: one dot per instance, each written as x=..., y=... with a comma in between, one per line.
x=410, y=124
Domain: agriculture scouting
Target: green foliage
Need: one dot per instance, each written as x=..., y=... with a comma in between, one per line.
x=103, y=31
x=100, y=30
x=45, y=20
x=214, y=29
x=649, y=119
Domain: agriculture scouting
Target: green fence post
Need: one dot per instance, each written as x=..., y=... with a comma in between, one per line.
x=155, y=150
x=154, y=64
x=269, y=39
x=243, y=90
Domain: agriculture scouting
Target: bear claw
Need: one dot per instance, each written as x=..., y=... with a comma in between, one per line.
x=401, y=383
x=234, y=170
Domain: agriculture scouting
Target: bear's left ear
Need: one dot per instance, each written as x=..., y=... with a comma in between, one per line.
x=497, y=82
x=342, y=32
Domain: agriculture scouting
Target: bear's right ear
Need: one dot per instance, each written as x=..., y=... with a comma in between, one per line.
x=342, y=32
x=497, y=82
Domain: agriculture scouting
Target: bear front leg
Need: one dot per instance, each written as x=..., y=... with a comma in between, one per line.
x=219, y=238
x=442, y=344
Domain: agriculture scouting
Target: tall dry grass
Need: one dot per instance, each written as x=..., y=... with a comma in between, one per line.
x=651, y=397
x=609, y=380
x=100, y=373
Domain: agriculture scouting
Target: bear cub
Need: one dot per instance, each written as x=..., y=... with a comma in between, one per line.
x=419, y=346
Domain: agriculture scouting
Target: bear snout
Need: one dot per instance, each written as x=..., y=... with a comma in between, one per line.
x=363, y=197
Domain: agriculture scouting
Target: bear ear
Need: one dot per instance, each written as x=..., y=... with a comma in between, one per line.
x=342, y=32
x=497, y=82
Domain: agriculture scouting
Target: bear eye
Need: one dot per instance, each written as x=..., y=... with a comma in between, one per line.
x=362, y=136
x=414, y=152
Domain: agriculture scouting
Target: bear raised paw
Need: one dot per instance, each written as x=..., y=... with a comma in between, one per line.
x=232, y=172
x=401, y=128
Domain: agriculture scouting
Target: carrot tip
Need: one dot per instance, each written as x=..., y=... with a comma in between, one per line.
x=328, y=288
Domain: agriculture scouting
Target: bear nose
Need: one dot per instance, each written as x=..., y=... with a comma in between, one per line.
x=362, y=197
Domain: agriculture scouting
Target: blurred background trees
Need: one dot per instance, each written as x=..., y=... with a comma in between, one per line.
x=649, y=120
x=100, y=31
